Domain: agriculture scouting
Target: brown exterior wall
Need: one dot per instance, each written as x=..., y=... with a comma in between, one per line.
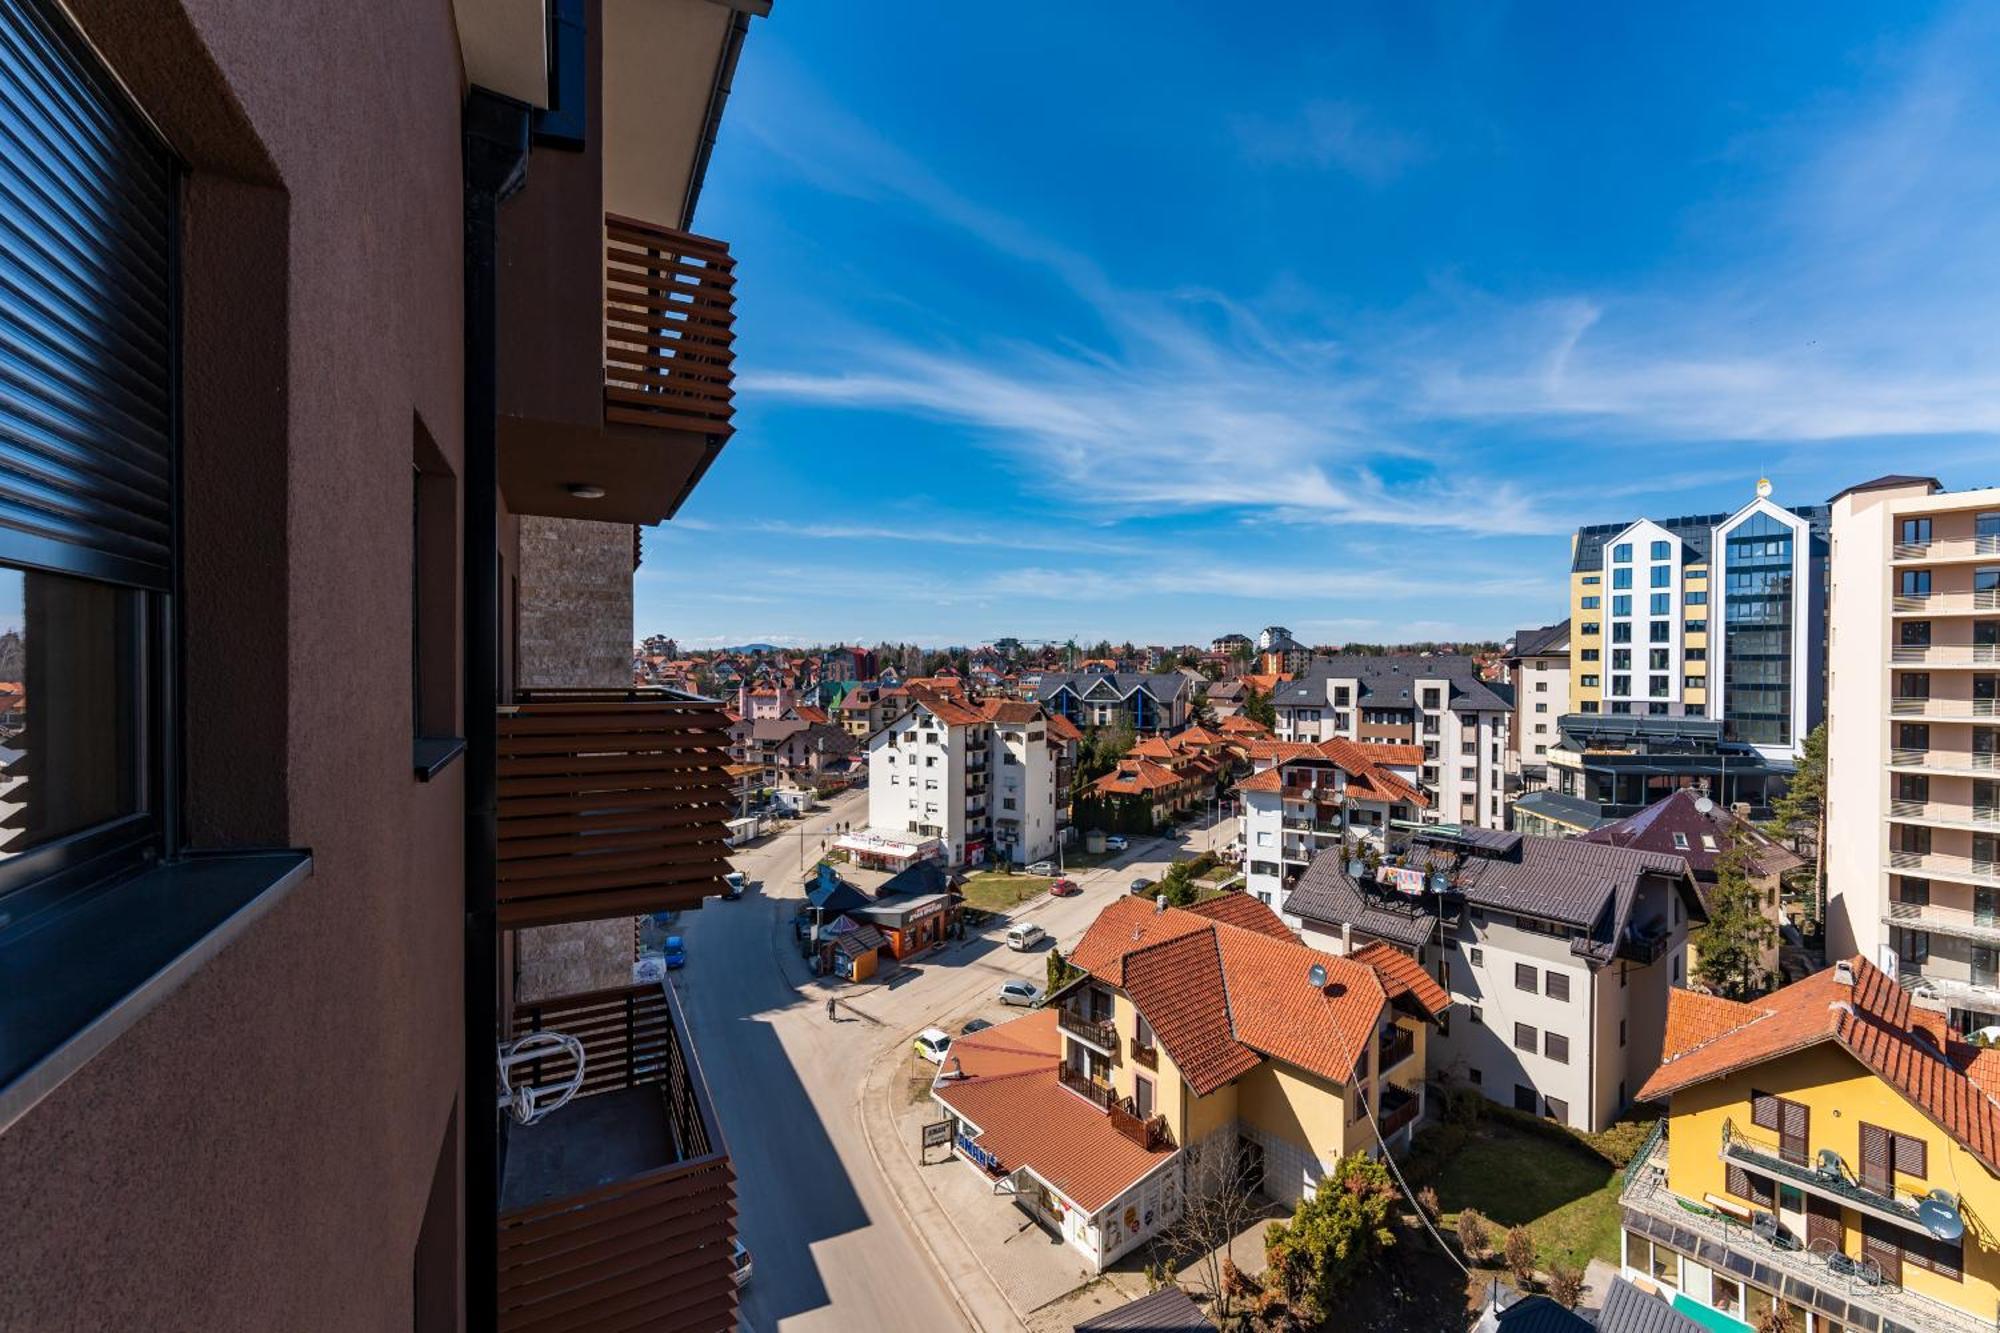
x=259, y=1151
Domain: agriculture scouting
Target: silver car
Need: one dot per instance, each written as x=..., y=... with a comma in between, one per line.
x=1024, y=993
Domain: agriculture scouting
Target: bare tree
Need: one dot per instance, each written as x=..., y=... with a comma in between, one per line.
x=1219, y=1203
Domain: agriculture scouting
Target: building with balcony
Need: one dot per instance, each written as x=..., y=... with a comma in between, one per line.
x=1438, y=703
x=1829, y=1147
x=1558, y=955
x=980, y=778
x=1604, y=767
x=1187, y=1045
x=1913, y=782
x=1109, y=698
x=1305, y=798
x=1707, y=615
x=1538, y=665
x=314, y=462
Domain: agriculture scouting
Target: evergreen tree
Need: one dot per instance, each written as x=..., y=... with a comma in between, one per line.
x=1257, y=707
x=1333, y=1235
x=1733, y=943
x=1801, y=811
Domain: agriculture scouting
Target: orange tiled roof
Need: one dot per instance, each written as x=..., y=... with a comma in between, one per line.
x=1269, y=780
x=1152, y=747
x=1264, y=684
x=1244, y=912
x=1162, y=960
x=1281, y=750
x=1027, y=1119
x=1708, y=1038
x=1134, y=776
x=952, y=710
x=1243, y=726
x=1014, y=712
x=1062, y=729
x=1403, y=975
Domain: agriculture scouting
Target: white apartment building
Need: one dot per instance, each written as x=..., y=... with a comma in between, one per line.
x=1706, y=615
x=979, y=777
x=1306, y=798
x=1558, y=954
x=1539, y=667
x=1438, y=703
x=1913, y=774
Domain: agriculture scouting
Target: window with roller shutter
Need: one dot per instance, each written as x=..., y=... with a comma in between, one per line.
x=1791, y=1121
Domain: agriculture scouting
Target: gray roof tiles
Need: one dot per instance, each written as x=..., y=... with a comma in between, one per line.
x=1538, y=642
x=1630, y=1310
x=1163, y=687
x=1327, y=896
x=1391, y=682
x=1696, y=531
x=1168, y=1310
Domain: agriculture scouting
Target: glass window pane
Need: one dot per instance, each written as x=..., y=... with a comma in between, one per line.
x=69, y=718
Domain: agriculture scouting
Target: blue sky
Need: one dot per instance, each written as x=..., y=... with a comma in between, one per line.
x=1158, y=321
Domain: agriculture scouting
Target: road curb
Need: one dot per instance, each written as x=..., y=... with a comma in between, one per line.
x=871, y=1084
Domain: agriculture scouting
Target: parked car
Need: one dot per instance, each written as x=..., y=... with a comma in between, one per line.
x=972, y=1025
x=933, y=1044
x=740, y=1261
x=733, y=884
x=1043, y=868
x=1065, y=888
x=1025, y=935
x=1142, y=885
x=1024, y=993
x=675, y=953
x=1116, y=843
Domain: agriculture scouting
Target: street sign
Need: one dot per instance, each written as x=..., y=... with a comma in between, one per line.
x=937, y=1135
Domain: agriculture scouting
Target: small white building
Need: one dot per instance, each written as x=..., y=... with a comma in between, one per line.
x=980, y=778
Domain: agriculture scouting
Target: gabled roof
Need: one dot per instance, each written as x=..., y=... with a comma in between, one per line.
x=1244, y=912
x=1168, y=1310
x=1869, y=1017
x=950, y=709
x=1390, y=682
x=1062, y=729
x=1630, y=1310
x=1134, y=777
x=1893, y=481
x=1547, y=640
x=1164, y=687
x=1010, y=712
x=1326, y=896
x=1653, y=828
x=1220, y=996
x=1404, y=978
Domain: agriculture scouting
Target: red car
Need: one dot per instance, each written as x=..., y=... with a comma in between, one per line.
x=1065, y=888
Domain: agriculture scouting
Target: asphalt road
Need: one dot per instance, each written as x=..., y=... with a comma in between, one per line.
x=832, y=1249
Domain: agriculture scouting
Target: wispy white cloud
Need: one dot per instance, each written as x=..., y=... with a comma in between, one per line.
x=1330, y=135
x=921, y=531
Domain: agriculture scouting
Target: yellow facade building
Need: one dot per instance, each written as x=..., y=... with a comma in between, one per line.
x=1828, y=1148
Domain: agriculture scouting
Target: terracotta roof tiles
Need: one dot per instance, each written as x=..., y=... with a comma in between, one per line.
x=1244, y=912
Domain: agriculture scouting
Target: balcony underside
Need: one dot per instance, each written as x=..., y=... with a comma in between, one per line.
x=644, y=471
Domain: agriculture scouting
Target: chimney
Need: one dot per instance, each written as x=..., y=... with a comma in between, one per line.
x=1843, y=973
x=1741, y=809
x=1346, y=938
x=1160, y=902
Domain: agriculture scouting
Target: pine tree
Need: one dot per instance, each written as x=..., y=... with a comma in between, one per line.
x=1802, y=809
x=1733, y=943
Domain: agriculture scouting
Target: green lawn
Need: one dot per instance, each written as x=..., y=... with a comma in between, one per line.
x=999, y=892
x=1567, y=1196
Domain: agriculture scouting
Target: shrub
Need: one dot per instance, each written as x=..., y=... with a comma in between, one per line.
x=1565, y=1284
x=1464, y=1105
x=1427, y=1199
x=1332, y=1235
x=1621, y=1142
x=1519, y=1253
x=1475, y=1237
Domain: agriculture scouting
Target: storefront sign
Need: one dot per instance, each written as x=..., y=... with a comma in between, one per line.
x=937, y=1135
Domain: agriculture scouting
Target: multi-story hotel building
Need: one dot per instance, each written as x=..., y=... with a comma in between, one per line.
x=1913, y=784
x=1539, y=664
x=979, y=779
x=1439, y=703
x=1708, y=615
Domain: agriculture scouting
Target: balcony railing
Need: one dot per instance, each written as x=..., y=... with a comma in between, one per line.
x=610, y=804
x=1399, y=1106
x=1948, y=548
x=1945, y=761
x=669, y=328
x=1945, y=708
x=1103, y=1035
x=1100, y=1095
x=624, y=1199
x=1393, y=1047
x=1149, y=1056
x=1946, y=654
x=1946, y=603
x=1938, y=812
x=1945, y=863
x=1808, y=1276
x=1965, y=922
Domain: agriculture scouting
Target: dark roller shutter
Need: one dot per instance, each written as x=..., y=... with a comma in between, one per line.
x=86, y=314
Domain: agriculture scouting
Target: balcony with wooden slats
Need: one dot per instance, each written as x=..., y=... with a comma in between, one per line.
x=611, y=804
x=619, y=1209
x=616, y=396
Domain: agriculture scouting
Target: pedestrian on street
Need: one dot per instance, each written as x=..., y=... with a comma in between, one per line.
x=829, y=1010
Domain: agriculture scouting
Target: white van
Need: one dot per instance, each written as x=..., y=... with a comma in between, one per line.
x=1026, y=935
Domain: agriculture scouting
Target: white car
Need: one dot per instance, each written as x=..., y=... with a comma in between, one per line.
x=933, y=1044
x=1024, y=993
x=1116, y=843
x=1025, y=935
x=1043, y=868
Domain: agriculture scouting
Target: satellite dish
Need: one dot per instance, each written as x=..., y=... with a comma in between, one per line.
x=1440, y=882
x=1703, y=804
x=1938, y=1214
x=1316, y=974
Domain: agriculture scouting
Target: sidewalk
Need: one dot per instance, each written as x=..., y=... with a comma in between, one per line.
x=985, y=1305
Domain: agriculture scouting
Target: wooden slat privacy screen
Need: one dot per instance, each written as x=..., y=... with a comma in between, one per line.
x=651, y=1251
x=611, y=808
x=669, y=328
